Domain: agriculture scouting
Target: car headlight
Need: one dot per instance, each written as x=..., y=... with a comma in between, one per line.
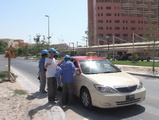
x=104, y=89
x=140, y=85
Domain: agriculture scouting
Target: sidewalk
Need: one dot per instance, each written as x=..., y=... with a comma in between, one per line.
x=51, y=111
x=140, y=70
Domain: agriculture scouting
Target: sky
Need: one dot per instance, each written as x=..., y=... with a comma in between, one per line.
x=23, y=19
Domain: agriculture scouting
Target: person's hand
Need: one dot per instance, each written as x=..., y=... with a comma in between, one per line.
x=49, y=63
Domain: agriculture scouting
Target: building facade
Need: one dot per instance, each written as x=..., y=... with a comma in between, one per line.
x=119, y=20
x=15, y=43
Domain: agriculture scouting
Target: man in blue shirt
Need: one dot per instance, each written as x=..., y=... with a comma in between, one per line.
x=42, y=71
x=67, y=68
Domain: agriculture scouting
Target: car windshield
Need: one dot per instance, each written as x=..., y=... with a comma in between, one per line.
x=97, y=66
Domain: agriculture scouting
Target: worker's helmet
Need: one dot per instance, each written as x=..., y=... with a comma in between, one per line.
x=57, y=53
x=52, y=50
x=66, y=57
x=44, y=52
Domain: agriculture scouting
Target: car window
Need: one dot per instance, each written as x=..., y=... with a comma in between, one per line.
x=97, y=66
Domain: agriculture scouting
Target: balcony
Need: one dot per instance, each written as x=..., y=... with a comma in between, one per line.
x=154, y=6
x=135, y=12
x=124, y=11
x=149, y=12
x=142, y=6
x=127, y=5
x=149, y=0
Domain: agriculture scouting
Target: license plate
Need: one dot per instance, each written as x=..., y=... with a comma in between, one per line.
x=130, y=97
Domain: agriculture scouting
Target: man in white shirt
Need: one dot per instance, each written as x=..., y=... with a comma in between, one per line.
x=51, y=66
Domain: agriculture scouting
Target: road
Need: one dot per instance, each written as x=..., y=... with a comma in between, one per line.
x=147, y=110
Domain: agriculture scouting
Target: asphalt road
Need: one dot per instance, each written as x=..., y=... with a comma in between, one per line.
x=147, y=110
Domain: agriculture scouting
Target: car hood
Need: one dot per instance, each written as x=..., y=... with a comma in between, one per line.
x=113, y=79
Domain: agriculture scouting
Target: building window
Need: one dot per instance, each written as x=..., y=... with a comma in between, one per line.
x=110, y=21
x=100, y=28
x=125, y=35
x=100, y=35
x=117, y=21
x=107, y=21
x=100, y=21
x=108, y=7
x=132, y=21
x=117, y=28
x=132, y=28
x=108, y=14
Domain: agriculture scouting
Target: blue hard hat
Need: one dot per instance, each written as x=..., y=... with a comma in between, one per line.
x=66, y=57
x=44, y=52
x=52, y=49
x=57, y=53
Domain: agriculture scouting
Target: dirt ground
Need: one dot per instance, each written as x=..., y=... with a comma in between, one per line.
x=139, y=69
x=17, y=107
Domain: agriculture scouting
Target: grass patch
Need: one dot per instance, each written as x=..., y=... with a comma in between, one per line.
x=148, y=64
x=19, y=92
x=4, y=73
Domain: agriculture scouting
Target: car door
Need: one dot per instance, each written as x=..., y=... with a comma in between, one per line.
x=77, y=78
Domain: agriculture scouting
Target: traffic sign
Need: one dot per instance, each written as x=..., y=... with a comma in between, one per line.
x=10, y=53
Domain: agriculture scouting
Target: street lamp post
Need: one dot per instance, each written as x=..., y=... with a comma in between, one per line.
x=113, y=47
x=114, y=43
x=133, y=40
x=108, y=44
x=30, y=40
x=73, y=47
x=48, y=29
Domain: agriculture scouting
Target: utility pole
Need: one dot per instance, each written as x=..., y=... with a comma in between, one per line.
x=48, y=30
x=77, y=48
x=73, y=48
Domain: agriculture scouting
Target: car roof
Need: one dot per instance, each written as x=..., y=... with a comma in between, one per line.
x=86, y=57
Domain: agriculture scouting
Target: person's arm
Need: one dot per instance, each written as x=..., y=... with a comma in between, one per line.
x=73, y=67
x=46, y=63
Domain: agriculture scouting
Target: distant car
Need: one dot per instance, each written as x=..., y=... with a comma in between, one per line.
x=100, y=83
x=126, y=56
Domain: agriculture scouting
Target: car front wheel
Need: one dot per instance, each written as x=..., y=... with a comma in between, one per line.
x=86, y=98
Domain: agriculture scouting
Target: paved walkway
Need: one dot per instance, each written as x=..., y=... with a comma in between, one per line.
x=3, y=63
x=54, y=113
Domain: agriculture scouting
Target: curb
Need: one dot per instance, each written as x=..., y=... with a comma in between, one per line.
x=55, y=113
x=142, y=74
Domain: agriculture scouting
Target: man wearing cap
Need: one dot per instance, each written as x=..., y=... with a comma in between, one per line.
x=51, y=66
x=67, y=68
x=42, y=70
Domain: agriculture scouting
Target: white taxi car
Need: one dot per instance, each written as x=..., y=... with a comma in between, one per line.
x=100, y=83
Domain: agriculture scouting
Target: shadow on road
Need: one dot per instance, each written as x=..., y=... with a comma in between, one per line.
x=105, y=114
x=37, y=95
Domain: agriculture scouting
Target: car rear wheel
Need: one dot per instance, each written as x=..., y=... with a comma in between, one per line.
x=86, y=98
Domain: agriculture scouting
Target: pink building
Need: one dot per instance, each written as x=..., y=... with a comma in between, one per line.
x=119, y=19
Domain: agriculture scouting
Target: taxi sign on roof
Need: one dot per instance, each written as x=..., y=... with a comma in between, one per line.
x=10, y=53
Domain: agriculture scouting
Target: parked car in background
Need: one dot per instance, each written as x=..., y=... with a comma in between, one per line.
x=140, y=56
x=100, y=83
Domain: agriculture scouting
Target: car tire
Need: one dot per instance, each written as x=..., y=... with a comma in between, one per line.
x=86, y=98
